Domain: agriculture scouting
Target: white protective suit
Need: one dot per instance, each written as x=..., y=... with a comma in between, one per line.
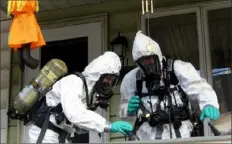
x=193, y=85
x=70, y=92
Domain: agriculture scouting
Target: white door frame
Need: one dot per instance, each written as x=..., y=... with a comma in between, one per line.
x=95, y=28
x=201, y=10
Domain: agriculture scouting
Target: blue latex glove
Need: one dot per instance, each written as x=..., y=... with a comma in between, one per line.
x=133, y=104
x=210, y=112
x=121, y=127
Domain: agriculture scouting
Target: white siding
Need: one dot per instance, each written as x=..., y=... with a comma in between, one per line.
x=5, y=58
x=3, y=135
x=4, y=97
x=5, y=78
x=5, y=84
x=3, y=119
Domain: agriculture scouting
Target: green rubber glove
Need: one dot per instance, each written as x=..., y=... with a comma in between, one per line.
x=133, y=105
x=210, y=112
x=121, y=127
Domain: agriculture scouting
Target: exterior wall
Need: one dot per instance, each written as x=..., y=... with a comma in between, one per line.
x=123, y=16
x=14, y=126
x=5, y=86
x=10, y=86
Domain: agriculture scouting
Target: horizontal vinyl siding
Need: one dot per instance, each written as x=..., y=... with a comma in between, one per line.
x=5, y=85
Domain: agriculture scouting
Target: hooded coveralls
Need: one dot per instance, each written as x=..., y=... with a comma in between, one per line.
x=70, y=92
x=190, y=81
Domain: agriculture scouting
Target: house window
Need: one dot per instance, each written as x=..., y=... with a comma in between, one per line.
x=177, y=36
x=200, y=35
x=220, y=53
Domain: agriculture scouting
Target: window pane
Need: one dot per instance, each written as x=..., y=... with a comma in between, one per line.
x=177, y=36
x=221, y=55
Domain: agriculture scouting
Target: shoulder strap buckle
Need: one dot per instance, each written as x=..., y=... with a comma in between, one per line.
x=170, y=63
x=139, y=82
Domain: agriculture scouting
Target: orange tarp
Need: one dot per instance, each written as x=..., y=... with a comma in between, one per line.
x=24, y=28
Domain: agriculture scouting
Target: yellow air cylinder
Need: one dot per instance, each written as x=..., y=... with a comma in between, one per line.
x=47, y=76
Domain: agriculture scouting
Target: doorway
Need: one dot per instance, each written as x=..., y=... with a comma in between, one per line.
x=74, y=52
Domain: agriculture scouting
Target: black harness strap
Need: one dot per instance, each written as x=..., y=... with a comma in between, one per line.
x=173, y=81
x=45, y=124
x=177, y=132
x=48, y=125
x=44, y=128
x=172, y=78
x=139, y=84
x=86, y=87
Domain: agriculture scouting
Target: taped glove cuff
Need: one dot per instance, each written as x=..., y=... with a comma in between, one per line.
x=107, y=127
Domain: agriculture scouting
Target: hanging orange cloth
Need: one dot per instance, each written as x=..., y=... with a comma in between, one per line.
x=24, y=28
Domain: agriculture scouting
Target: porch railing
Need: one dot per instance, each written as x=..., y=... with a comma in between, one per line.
x=211, y=139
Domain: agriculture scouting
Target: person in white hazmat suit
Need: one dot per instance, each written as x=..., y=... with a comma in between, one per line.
x=155, y=84
x=70, y=92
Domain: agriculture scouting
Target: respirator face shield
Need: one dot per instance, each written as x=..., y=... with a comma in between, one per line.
x=150, y=65
x=106, y=84
x=104, y=91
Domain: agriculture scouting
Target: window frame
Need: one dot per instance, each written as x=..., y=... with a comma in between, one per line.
x=184, y=9
x=201, y=10
x=205, y=8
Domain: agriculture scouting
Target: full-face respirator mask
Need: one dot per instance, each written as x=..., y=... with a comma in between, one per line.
x=103, y=90
x=150, y=65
